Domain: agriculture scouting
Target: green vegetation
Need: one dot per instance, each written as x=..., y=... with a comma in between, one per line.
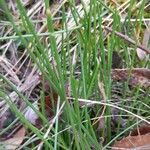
x=74, y=53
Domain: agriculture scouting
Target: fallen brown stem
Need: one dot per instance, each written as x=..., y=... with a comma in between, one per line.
x=126, y=38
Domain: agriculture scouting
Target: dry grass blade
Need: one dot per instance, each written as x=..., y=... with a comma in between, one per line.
x=101, y=119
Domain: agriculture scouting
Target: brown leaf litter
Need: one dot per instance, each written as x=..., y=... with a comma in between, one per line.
x=136, y=76
x=15, y=141
x=139, y=140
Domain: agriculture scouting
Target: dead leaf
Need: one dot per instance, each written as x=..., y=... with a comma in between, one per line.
x=31, y=115
x=49, y=104
x=15, y=141
x=137, y=76
x=144, y=129
x=139, y=139
x=50, y=101
x=132, y=142
x=51, y=97
x=141, y=54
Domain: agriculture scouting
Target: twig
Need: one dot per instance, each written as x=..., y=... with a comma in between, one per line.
x=102, y=91
x=126, y=38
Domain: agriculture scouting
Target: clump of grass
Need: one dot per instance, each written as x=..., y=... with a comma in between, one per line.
x=79, y=53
